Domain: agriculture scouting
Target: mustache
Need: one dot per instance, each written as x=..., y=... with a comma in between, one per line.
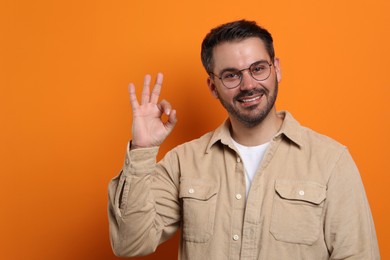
x=245, y=93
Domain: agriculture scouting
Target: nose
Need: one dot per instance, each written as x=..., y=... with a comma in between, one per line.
x=247, y=81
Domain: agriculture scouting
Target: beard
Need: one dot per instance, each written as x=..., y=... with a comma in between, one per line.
x=251, y=118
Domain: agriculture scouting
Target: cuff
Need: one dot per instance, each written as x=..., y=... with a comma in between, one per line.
x=140, y=160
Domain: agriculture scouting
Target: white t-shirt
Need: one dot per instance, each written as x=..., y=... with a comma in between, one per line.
x=251, y=157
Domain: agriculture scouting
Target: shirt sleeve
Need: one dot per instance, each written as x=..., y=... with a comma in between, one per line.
x=349, y=226
x=143, y=207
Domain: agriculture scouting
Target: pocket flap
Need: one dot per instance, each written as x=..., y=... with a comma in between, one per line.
x=197, y=189
x=301, y=190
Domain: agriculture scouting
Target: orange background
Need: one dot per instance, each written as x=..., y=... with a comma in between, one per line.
x=66, y=118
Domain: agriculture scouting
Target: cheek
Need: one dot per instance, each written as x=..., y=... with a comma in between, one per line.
x=227, y=95
x=272, y=82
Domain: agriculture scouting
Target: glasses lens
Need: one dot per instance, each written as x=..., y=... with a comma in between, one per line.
x=260, y=70
x=231, y=78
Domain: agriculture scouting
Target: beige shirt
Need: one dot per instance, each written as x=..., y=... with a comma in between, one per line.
x=307, y=200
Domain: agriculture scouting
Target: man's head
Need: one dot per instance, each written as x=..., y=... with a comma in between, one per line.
x=243, y=71
x=233, y=31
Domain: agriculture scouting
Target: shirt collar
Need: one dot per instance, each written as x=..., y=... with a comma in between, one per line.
x=222, y=134
x=290, y=129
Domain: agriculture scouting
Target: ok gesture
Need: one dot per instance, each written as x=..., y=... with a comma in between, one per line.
x=148, y=128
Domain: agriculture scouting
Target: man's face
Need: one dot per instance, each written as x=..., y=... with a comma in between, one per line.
x=252, y=100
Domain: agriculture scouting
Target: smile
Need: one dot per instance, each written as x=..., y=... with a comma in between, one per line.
x=251, y=99
x=247, y=100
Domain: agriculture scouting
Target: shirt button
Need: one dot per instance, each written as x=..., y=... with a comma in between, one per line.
x=301, y=192
x=127, y=161
x=235, y=237
x=191, y=191
x=238, y=196
x=238, y=159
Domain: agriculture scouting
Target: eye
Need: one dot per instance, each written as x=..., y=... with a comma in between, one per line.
x=230, y=75
x=259, y=68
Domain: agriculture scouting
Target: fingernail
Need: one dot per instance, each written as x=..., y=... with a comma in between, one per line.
x=168, y=111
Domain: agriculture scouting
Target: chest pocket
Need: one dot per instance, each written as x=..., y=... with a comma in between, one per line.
x=297, y=211
x=199, y=199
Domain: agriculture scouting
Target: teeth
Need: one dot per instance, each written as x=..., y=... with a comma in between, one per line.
x=250, y=100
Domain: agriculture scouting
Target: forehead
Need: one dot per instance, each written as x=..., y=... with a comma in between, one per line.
x=239, y=54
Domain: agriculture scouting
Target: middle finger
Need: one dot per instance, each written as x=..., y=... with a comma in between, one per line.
x=145, y=91
x=156, y=89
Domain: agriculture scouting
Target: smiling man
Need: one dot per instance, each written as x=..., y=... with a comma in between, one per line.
x=260, y=186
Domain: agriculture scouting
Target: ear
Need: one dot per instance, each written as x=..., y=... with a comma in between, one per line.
x=278, y=69
x=212, y=87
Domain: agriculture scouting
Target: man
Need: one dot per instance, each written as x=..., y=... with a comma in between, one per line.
x=260, y=186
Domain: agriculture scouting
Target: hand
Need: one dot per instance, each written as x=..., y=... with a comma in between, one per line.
x=148, y=127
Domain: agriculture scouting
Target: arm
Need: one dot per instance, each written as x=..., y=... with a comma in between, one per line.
x=349, y=227
x=136, y=227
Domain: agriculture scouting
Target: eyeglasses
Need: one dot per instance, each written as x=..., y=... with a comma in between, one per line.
x=232, y=78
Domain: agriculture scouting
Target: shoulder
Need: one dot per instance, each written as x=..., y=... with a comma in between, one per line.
x=315, y=147
x=198, y=145
x=307, y=138
x=207, y=142
x=314, y=139
x=322, y=150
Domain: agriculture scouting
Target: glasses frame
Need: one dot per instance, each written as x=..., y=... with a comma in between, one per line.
x=241, y=74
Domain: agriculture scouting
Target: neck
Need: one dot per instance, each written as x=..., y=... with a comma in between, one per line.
x=259, y=134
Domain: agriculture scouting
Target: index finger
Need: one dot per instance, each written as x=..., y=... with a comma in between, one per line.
x=156, y=89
